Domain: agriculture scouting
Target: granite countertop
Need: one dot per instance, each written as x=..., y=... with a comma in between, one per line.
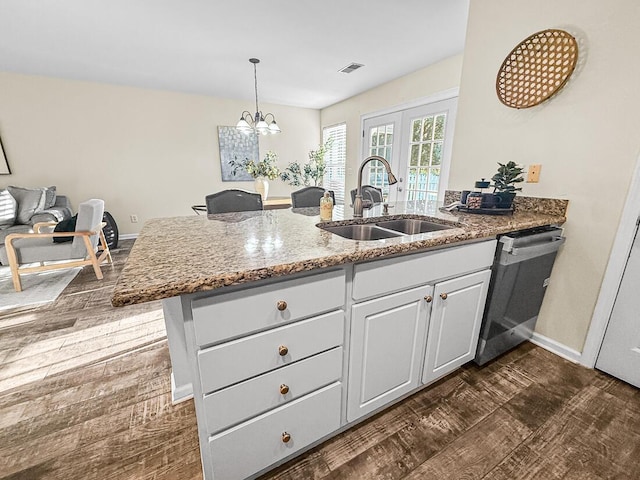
x=179, y=255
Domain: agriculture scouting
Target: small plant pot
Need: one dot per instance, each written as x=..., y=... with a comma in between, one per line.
x=489, y=200
x=504, y=199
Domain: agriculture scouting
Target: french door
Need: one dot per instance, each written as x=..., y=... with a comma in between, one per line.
x=417, y=143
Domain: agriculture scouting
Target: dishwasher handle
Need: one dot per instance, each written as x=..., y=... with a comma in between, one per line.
x=538, y=249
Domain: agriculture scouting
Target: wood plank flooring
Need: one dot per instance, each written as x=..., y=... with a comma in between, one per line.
x=85, y=394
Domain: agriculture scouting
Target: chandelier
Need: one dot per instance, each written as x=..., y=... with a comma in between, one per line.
x=257, y=122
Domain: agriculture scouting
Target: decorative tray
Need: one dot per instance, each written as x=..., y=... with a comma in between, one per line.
x=486, y=211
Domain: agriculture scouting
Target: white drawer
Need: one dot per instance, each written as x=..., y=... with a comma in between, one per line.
x=247, y=357
x=260, y=394
x=381, y=277
x=221, y=317
x=248, y=448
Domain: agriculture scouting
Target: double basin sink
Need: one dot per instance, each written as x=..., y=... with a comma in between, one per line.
x=385, y=229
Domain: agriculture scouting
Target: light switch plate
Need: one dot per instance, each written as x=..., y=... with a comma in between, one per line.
x=533, y=174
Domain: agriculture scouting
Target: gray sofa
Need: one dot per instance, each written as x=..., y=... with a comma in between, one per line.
x=21, y=208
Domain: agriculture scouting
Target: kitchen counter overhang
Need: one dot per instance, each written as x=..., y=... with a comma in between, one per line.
x=182, y=255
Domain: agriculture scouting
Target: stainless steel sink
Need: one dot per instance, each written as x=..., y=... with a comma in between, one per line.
x=411, y=226
x=361, y=232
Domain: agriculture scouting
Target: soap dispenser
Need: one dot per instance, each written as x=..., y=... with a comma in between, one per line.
x=326, y=207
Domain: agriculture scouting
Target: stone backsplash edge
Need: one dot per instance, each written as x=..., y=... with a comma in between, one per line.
x=550, y=206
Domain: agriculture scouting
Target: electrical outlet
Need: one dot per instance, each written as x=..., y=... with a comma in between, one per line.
x=134, y=218
x=533, y=173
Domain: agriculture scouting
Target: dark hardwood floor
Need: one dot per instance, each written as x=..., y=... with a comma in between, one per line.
x=90, y=399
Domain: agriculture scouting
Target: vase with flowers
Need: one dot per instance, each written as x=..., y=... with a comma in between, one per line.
x=261, y=171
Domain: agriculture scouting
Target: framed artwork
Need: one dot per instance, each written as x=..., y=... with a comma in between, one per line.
x=236, y=145
x=4, y=164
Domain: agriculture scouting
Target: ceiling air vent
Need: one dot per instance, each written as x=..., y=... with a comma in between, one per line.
x=351, y=67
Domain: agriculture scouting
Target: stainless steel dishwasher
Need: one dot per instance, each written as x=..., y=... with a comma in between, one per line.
x=519, y=279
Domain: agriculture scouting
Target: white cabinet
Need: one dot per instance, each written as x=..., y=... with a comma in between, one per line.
x=243, y=451
x=268, y=362
x=250, y=356
x=454, y=327
x=403, y=338
x=267, y=365
x=387, y=344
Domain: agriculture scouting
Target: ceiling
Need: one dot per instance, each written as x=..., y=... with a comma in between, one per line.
x=203, y=46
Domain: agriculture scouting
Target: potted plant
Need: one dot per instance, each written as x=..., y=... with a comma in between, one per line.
x=296, y=174
x=261, y=171
x=503, y=183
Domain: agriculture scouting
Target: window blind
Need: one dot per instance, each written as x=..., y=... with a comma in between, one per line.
x=335, y=160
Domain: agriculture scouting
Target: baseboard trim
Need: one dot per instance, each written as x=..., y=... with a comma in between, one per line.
x=128, y=236
x=556, y=347
x=179, y=395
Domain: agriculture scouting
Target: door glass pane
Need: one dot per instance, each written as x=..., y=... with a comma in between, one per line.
x=439, y=130
x=436, y=154
x=427, y=131
x=416, y=128
x=415, y=152
x=380, y=143
x=426, y=154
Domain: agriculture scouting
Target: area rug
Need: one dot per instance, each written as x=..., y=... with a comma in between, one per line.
x=37, y=288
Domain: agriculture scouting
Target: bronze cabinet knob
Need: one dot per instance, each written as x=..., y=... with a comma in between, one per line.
x=282, y=350
x=443, y=296
x=284, y=389
x=281, y=305
x=286, y=437
x=428, y=298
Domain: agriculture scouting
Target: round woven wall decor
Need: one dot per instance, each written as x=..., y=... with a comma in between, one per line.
x=537, y=68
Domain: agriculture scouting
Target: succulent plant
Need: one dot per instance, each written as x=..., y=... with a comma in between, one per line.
x=508, y=174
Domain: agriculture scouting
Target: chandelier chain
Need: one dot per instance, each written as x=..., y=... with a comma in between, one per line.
x=255, y=79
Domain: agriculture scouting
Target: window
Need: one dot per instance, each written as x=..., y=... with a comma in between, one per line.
x=335, y=160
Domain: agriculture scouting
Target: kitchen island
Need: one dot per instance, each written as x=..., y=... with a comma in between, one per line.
x=286, y=334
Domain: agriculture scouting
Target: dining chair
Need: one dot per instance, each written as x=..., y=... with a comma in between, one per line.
x=368, y=192
x=309, y=197
x=233, y=200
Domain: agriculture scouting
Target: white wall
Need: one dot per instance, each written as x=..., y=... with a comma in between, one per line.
x=587, y=137
x=145, y=152
x=435, y=78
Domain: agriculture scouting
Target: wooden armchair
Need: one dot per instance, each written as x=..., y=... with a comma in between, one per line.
x=38, y=247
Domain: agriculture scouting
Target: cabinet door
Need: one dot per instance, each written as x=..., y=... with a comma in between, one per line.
x=387, y=344
x=456, y=315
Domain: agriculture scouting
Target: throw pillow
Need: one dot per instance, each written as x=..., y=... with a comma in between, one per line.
x=50, y=197
x=8, y=209
x=68, y=225
x=30, y=201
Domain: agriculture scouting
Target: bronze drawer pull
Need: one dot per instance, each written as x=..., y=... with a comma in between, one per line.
x=443, y=296
x=281, y=305
x=282, y=350
x=428, y=298
x=286, y=437
x=284, y=389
